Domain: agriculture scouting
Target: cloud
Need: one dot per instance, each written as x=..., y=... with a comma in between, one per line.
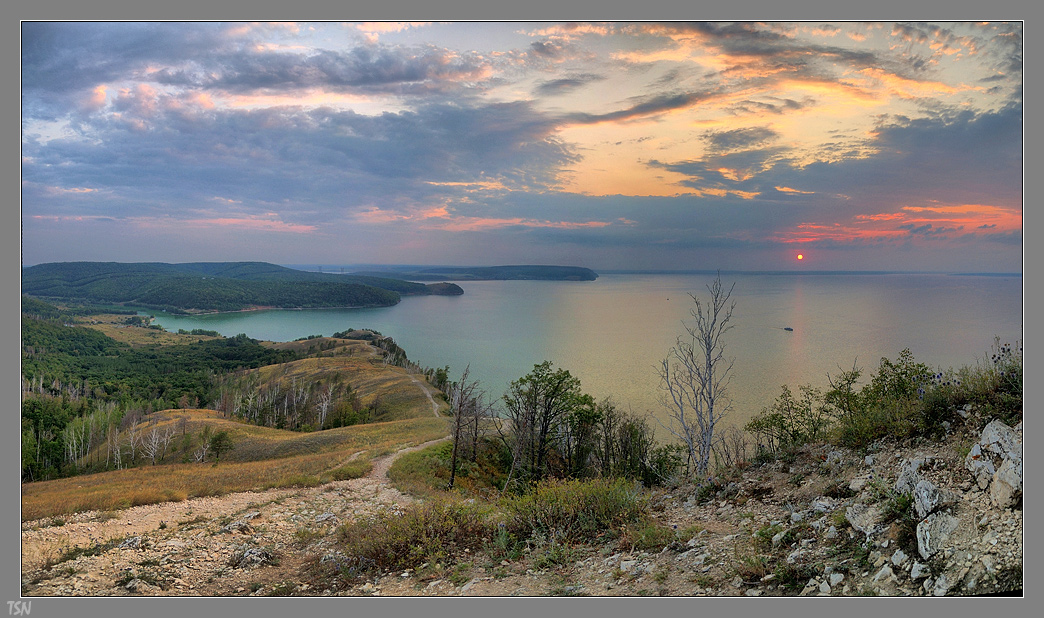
x=567, y=84
x=738, y=139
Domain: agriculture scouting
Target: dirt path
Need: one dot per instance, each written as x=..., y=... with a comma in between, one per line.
x=427, y=393
x=190, y=547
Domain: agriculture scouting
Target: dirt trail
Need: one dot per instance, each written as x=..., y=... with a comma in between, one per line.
x=427, y=393
x=195, y=534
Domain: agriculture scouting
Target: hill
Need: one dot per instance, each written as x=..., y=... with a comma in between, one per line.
x=488, y=273
x=214, y=286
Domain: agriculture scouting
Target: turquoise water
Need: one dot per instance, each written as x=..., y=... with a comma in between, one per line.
x=612, y=333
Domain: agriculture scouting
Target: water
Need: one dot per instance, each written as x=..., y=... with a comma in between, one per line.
x=613, y=332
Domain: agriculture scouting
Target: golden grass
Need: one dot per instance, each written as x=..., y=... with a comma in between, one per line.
x=173, y=482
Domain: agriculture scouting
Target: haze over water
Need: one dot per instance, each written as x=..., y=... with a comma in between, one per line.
x=613, y=332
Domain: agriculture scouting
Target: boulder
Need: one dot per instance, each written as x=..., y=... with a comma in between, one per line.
x=1006, y=484
x=909, y=476
x=996, y=463
x=864, y=518
x=928, y=498
x=933, y=532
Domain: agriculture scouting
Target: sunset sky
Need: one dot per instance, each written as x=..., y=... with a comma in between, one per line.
x=733, y=146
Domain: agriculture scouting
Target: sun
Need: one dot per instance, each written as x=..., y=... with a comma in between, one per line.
x=800, y=256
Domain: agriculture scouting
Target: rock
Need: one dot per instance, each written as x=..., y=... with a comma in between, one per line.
x=942, y=586
x=919, y=570
x=864, y=518
x=928, y=498
x=933, y=532
x=999, y=446
x=980, y=466
x=824, y=587
x=899, y=557
x=753, y=592
x=908, y=476
x=823, y=504
x=884, y=574
x=1001, y=440
x=628, y=565
x=328, y=516
x=133, y=542
x=247, y=556
x=1006, y=485
x=836, y=578
x=857, y=484
x=831, y=533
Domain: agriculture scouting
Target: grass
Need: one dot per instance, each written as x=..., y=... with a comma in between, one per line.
x=120, y=489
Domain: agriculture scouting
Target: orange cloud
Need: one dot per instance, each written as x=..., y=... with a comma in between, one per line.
x=440, y=218
x=909, y=88
x=244, y=223
x=789, y=190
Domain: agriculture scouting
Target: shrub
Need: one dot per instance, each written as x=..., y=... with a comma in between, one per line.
x=790, y=422
x=648, y=535
x=575, y=510
x=421, y=533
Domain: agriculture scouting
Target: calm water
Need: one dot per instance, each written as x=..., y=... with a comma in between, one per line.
x=612, y=333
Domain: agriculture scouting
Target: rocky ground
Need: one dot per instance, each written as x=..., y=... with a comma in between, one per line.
x=926, y=519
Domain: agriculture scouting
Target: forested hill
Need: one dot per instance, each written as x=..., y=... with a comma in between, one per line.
x=488, y=273
x=214, y=286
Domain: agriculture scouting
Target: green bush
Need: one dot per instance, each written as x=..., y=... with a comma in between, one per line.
x=420, y=533
x=575, y=510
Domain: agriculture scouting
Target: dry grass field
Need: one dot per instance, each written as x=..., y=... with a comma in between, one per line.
x=263, y=458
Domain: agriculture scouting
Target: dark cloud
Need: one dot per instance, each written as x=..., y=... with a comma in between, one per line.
x=567, y=84
x=362, y=68
x=650, y=106
x=738, y=139
x=321, y=157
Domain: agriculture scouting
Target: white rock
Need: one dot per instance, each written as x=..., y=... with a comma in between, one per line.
x=919, y=570
x=885, y=573
x=928, y=498
x=933, y=532
x=836, y=578
x=899, y=557
x=909, y=476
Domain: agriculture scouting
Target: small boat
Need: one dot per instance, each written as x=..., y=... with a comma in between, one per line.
x=788, y=328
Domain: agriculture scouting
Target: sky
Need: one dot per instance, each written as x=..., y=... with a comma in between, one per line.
x=669, y=146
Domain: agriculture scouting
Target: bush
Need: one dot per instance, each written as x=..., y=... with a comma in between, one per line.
x=421, y=533
x=575, y=510
x=790, y=422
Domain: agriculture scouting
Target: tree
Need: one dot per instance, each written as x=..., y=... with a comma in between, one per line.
x=538, y=405
x=695, y=374
x=220, y=443
x=469, y=408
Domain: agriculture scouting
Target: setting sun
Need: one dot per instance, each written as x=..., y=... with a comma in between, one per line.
x=801, y=257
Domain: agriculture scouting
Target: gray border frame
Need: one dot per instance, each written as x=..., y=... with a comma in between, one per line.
x=470, y=10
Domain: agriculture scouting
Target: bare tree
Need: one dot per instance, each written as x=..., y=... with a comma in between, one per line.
x=462, y=401
x=694, y=376
x=150, y=444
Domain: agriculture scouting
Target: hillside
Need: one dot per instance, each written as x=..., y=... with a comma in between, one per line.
x=488, y=273
x=214, y=286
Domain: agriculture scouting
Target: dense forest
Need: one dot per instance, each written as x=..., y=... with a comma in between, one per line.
x=215, y=286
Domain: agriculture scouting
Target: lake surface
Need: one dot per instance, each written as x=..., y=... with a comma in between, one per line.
x=612, y=333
